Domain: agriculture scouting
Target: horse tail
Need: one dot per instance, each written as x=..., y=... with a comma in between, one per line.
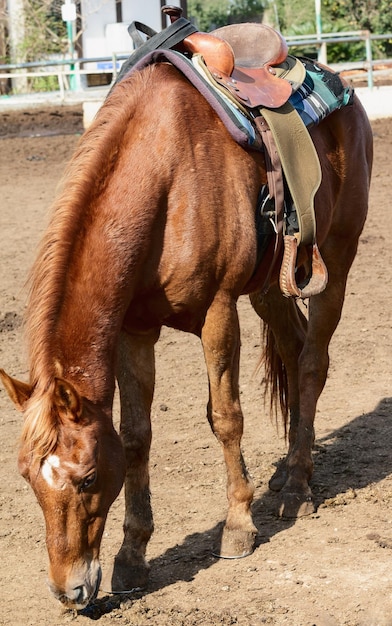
x=275, y=377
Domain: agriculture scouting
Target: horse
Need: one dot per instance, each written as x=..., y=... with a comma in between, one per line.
x=154, y=224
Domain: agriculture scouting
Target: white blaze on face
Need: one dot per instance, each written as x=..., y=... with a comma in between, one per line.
x=47, y=470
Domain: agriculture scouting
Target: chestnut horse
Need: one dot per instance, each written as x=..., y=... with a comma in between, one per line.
x=155, y=225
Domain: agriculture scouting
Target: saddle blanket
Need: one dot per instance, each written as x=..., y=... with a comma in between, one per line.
x=320, y=94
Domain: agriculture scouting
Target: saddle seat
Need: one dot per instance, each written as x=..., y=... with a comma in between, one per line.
x=241, y=57
x=254, y=45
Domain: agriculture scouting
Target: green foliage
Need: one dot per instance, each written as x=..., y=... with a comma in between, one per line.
x=358, y=14
x=372, y=15
x=211, y=14
x=296, y=16
x=43, y=84
x=45, y=31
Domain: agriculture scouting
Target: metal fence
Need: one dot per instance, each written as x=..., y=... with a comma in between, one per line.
x=71, y=73
x=321, y=42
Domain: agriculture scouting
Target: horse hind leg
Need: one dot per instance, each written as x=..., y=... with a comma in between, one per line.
x=324, y=315
x=221, y=344
x=136, y=377
x=306, y=380
x=285, y=329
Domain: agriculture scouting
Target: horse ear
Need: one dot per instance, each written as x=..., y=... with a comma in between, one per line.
x=18, y=391
x=67, y=399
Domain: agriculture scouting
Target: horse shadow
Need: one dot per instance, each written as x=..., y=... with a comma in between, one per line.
x=347, y=459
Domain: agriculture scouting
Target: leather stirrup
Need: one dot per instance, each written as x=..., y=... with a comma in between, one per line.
x=287, y=282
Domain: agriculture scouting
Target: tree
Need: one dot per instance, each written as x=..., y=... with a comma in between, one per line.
x=296, y=17
x=372, y=15
x=45, y=31
x=211, y=14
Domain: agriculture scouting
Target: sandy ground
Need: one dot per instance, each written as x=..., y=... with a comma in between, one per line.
x=330, y=569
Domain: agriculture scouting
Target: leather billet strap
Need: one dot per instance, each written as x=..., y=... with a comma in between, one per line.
x=273, y=166
x=300, y=163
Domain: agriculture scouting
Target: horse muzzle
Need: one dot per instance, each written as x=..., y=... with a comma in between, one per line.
x=78, y=591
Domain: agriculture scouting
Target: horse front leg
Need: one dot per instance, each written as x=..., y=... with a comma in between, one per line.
x=136, y=378
x=221, y=345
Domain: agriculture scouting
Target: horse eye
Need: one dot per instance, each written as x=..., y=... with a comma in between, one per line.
x=88, y=481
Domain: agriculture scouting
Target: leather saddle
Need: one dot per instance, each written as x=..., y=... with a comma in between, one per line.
x=241, y=57
x=248, y=59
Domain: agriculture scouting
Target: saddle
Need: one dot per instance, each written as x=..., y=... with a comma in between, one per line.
x=251, y=62
x=241, y=58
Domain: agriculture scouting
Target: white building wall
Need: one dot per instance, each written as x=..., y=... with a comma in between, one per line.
x=101, y=38
x=95, y=15
x=147, y=12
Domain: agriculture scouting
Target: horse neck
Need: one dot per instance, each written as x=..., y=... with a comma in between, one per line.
x=91, y=257
x=82, y=289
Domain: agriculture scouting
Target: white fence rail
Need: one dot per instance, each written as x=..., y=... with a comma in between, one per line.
x=321, y=42
x=69, y=72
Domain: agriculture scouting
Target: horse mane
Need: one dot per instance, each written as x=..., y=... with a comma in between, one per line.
x=96, y=151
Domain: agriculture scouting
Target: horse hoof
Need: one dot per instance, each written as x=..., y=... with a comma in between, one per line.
x=295, y=505
x=126, y=578
x=236, y=544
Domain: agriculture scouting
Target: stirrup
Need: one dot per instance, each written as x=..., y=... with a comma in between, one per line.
x=287, y=281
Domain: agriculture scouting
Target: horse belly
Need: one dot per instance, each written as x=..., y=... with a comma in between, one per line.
x=185, y=295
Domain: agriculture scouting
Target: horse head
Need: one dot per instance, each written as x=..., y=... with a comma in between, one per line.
x=73, y=459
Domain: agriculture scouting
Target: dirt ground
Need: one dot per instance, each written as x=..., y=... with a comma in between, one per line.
x=332, y=568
